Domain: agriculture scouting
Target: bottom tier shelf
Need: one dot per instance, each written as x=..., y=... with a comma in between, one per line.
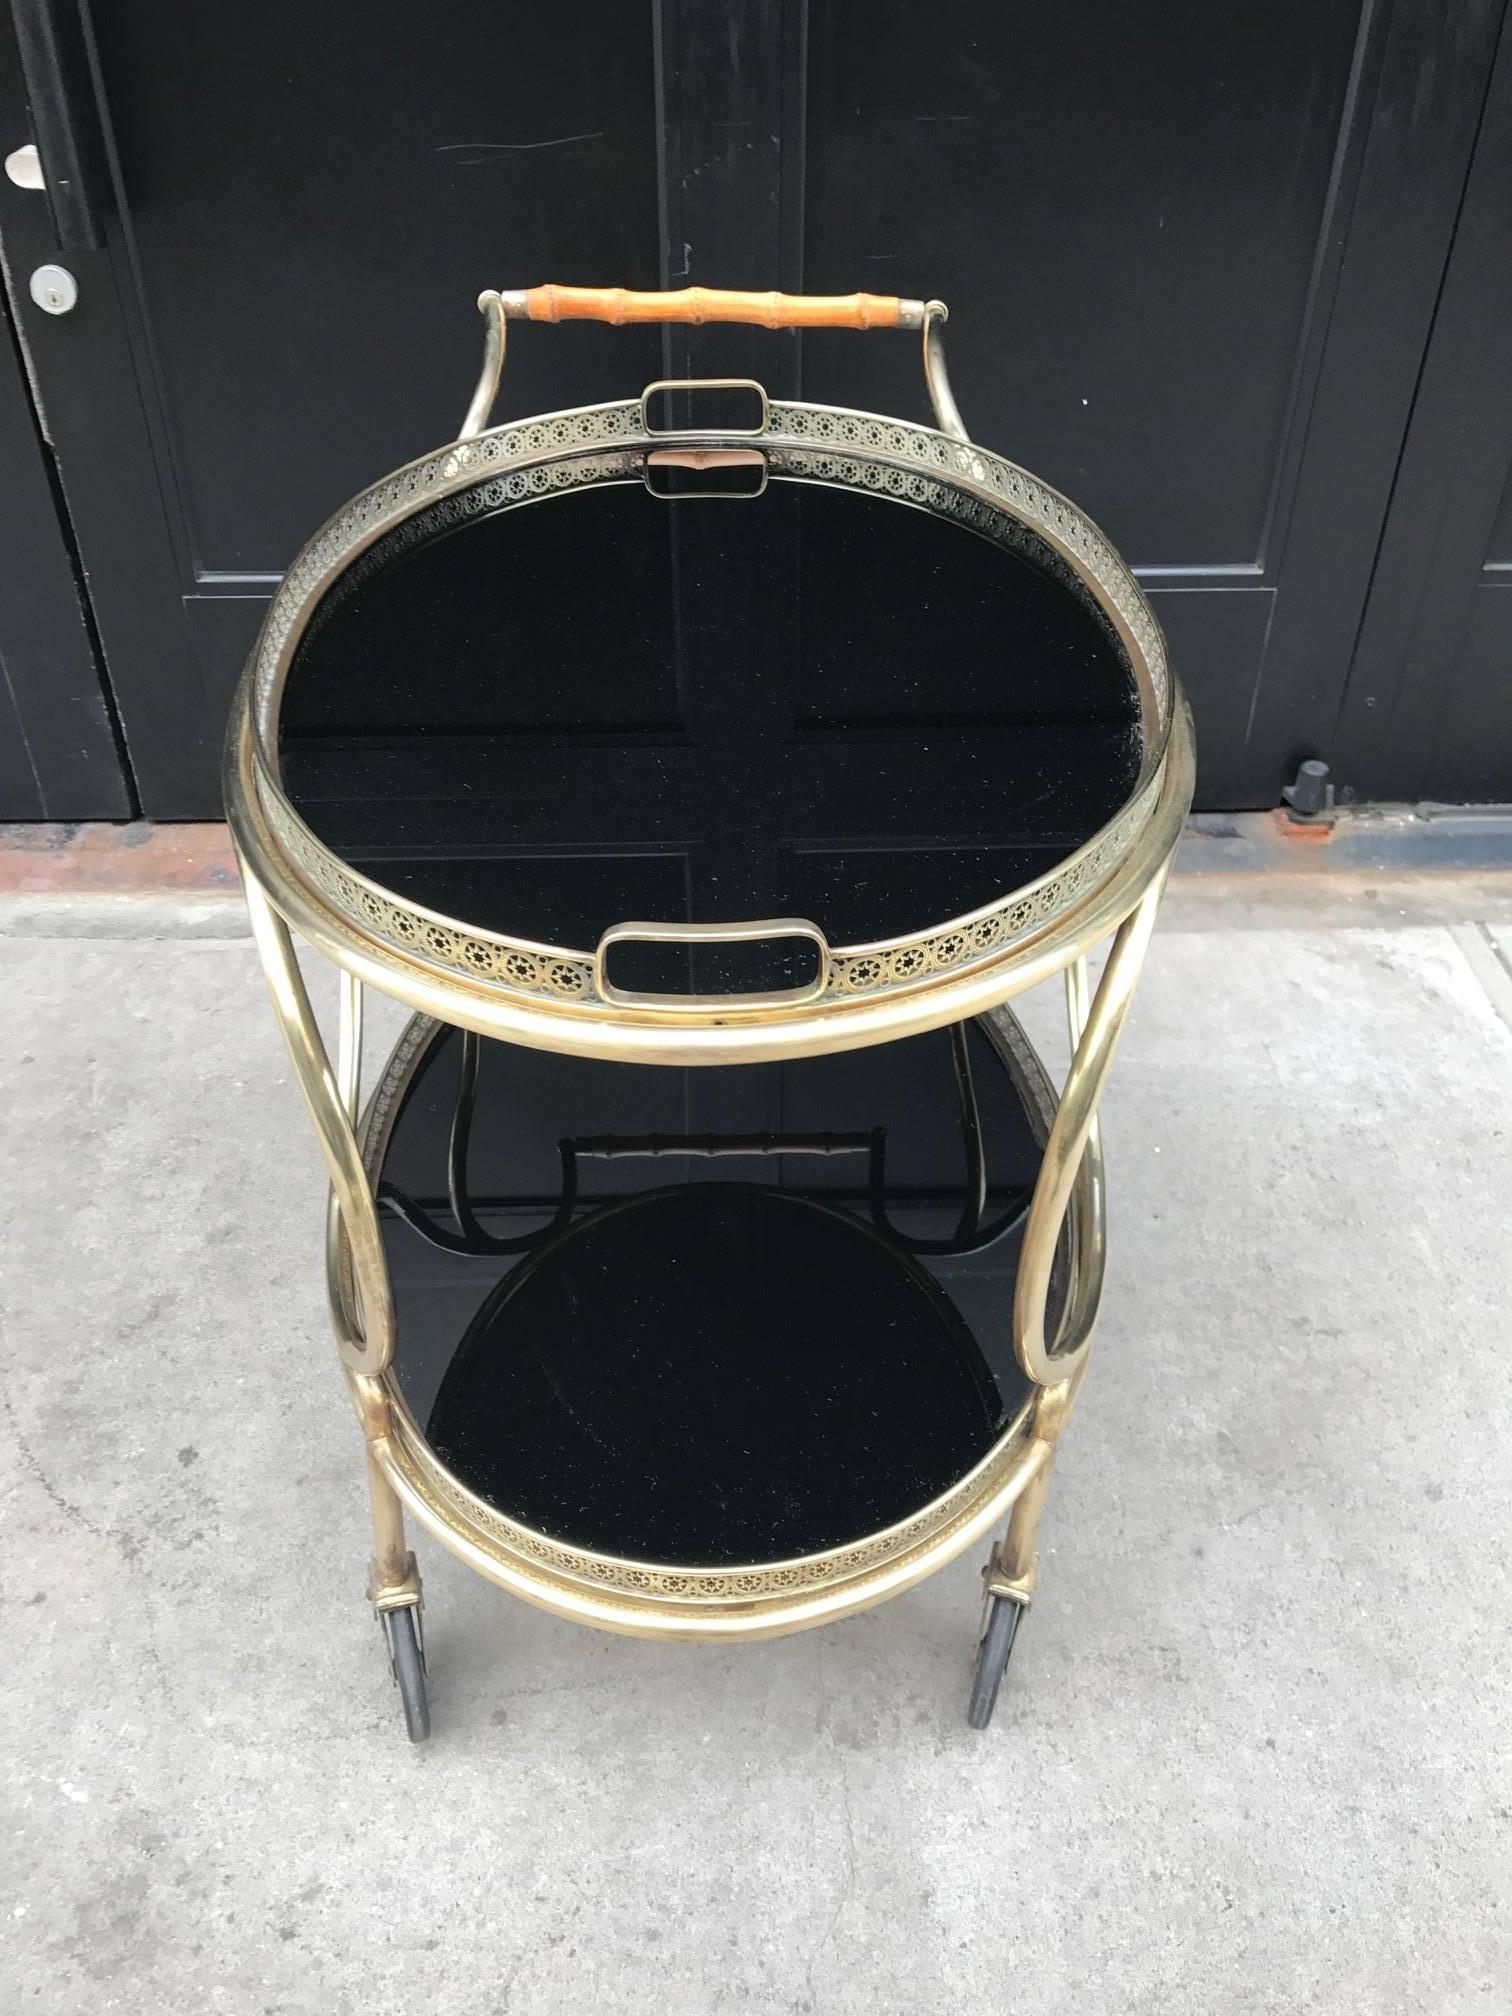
x=708, y=1335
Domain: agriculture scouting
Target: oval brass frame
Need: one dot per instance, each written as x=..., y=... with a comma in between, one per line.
x=522, y=463
x=634, y=1035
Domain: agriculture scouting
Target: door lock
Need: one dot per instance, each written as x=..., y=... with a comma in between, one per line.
x=54, y=289
x=24, y=167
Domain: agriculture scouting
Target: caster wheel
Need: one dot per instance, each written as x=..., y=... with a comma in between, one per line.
x=993, y=1654
x=407, y=1661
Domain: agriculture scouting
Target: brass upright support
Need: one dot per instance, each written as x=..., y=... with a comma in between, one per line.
x=1013, y=1566
x=362, y=1309
x=395, y=1580
x=491, y=370
x=1071, y=1177
x=1071, y=1193
x=936, y=377
x=365, y=1335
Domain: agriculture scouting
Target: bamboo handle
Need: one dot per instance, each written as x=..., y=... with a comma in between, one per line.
x=714, y=304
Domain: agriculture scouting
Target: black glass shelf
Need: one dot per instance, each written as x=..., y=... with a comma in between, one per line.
x=709, y=1317
x=544, y=720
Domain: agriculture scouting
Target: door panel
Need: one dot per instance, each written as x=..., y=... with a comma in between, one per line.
x=1499, y=554
x=58, y=753
x=1124, y=222
x=305, y=204
x=1428, y=712
x=308, y=244
x=1191, y=261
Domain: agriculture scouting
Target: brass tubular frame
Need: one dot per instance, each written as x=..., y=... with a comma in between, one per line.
x=757, y=1600
x=936, y=377
x=1117, y=892
x=395, y=1579
x=931, y=470
x=341, y=1284
x=650, y=1037
x=349, y=1043
x=486, y=391
x=334, y=1103
x=1073, y=1162
x=1069, y=1202
x=365, y=1333
x=1013, y=1566
x=689, y=1620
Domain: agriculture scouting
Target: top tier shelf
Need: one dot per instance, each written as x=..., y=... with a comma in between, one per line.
x=707, y=744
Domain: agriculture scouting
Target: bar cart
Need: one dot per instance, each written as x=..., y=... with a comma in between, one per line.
x=724, y=1273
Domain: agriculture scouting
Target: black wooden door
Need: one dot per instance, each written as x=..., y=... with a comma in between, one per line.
x=59, y=756
x=1192, y=257
x=1428, y=712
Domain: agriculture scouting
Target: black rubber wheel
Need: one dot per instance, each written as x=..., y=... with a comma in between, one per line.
x=401, y=1629
x=993, y=1654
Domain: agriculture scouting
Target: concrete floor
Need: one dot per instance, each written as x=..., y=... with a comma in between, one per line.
x=1254, y=1753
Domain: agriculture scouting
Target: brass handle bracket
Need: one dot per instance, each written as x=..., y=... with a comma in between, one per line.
x=754, y=933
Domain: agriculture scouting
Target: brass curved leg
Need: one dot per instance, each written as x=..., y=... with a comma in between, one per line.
x=1071, y=1173
x=362, y=1310
x=395, y=1579
x=1012, y=1566
x=365, y=1333
x=1069, y=1201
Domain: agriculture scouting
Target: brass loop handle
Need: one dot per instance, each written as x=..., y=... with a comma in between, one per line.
x=619, y=305
x=711, y=934
x=752, y=385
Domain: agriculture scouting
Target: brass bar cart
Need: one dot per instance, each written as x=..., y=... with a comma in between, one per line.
x=504, y=993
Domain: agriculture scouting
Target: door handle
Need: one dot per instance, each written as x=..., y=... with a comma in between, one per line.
x=59, y=90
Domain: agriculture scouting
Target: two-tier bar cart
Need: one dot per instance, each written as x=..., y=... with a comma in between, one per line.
x=706, y=773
